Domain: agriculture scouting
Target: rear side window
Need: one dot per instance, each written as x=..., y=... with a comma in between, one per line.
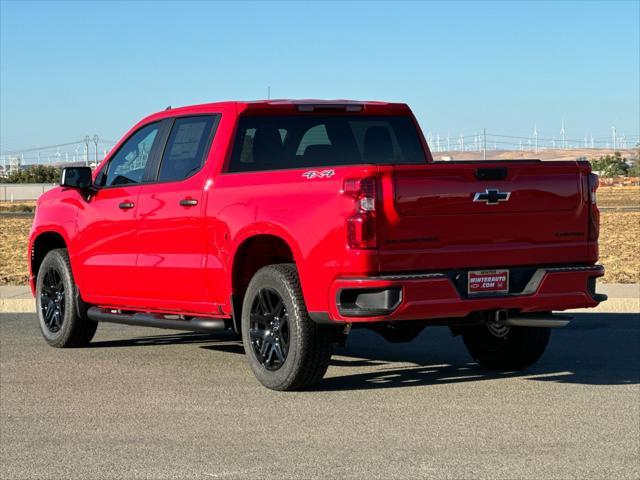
x=186, y=147
x=302, y=141
x=128, y=164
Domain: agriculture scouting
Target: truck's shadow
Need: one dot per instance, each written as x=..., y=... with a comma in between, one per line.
x=596, y=349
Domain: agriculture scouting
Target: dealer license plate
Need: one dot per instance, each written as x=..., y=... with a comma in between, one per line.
x=488, y=281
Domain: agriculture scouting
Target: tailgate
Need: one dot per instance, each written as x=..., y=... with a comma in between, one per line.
x=483, y=214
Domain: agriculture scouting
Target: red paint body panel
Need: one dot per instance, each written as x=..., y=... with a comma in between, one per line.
x=163, y=257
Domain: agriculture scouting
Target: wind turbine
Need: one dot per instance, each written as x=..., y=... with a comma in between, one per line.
x=535, y=135
x=564, y=138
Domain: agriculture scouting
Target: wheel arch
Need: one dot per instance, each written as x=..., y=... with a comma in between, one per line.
x=42, y=244
x=252, y=253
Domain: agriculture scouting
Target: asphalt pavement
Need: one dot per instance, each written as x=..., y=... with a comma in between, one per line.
x=147, y=403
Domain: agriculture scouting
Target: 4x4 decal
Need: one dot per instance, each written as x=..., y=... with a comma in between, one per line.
x=318, y=174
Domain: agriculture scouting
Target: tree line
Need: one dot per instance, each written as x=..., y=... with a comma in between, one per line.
x=615, y=166
x=34, y=174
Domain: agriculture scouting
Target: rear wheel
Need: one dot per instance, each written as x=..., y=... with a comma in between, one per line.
x=63, y=320
x=286, y=350
x=500, y=347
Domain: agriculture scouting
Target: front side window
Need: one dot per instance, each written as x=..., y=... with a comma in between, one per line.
x=186, y=147
x=128, y=164
x=303, y=141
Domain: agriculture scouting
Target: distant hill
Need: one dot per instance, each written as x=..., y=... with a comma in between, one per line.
x=549, y=154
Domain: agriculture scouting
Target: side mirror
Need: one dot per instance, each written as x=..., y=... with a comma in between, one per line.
x=77, y=177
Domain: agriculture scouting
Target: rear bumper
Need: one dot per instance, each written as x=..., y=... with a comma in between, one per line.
x=434, y=296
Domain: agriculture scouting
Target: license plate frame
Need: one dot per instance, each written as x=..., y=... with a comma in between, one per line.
x=488, y=282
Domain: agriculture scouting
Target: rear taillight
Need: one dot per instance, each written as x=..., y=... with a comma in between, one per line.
x=362, y=228
x=594, y=213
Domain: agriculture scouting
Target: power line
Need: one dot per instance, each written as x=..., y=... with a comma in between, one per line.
x=35, y=149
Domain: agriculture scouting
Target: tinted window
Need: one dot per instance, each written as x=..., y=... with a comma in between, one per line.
x=287, y=141
x=316, y=135
x=186, y=147
x=127, y=166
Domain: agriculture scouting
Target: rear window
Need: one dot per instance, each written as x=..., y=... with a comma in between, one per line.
x=294, y=141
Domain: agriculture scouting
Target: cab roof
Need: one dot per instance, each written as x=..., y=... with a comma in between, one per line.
x=289, y=106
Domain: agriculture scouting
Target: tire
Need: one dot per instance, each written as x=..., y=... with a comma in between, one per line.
x=62, y=314
x=286, y=350
x=514, y=348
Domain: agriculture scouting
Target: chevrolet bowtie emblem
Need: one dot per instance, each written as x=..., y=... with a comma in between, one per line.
x=491, y=196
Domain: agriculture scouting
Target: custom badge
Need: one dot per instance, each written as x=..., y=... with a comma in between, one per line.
x=318, y=174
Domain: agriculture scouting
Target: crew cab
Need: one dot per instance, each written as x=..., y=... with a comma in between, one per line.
x=292, y=222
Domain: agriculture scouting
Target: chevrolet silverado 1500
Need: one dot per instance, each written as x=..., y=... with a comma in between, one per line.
x=291, y=222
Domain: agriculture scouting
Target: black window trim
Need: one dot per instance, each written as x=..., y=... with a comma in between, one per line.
x=157, y=161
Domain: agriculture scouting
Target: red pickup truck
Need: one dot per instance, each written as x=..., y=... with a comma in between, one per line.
x=291, y=222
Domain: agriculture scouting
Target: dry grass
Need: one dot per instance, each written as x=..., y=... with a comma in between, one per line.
x=17, y=206
x=619, y=250
x=14, y=233
x=619, y=196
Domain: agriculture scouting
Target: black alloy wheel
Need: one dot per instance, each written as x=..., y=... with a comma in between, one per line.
x=52, y=300
x=269, y=329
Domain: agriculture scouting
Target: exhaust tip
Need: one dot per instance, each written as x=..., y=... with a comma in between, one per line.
x=546, y=320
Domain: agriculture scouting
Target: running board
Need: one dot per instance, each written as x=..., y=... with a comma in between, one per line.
x=546, y=320
x=194, y=324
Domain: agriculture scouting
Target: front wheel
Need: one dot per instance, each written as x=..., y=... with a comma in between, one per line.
x=286, y=350
x=500, y=347
x=63, y=320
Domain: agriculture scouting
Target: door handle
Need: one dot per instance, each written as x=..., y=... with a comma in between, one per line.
x=126, y=205
x=188, y=202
